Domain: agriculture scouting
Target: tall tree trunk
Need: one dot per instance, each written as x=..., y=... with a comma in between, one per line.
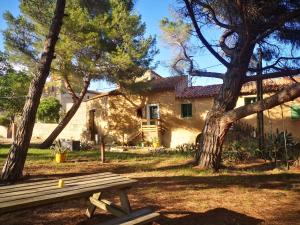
x=215, y=129
x=14, y=164
x=209, y=154
x=64, y=122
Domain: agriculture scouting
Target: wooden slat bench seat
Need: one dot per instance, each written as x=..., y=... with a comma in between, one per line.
x=138, y=217
x=28, y=195
x=22, y=196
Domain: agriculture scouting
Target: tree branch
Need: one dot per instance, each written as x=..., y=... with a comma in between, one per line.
x=86, y=83
x=69, y=88
x=274, y=64
x=283, y=73
x=200, y=35
x=276, y=24
x=288, y=94
x=215, y=19
x=227, y=50
x=198, y=73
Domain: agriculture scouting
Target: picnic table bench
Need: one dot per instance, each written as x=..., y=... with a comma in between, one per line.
x=27, y=195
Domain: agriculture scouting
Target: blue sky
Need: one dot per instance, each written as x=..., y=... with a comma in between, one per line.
x=152, y=12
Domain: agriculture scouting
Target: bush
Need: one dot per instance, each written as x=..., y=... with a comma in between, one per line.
x=239, y=146
x=186, y=148
x=48, y=110
x=85, y=145
x=236, y=151
x=275, y=147
x=4, y=120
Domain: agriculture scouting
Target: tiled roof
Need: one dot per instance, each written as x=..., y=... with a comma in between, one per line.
x=270, y=85
x=158, y=84
x=169, y=83
x=200, y=91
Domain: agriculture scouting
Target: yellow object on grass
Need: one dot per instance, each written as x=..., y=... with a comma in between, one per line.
x=60, y=157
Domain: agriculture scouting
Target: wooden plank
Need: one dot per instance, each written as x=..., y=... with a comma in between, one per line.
x=143, y=219
x=66, y=187
x=96, y=184
x=91, y=208
x=125, y=204
x=16, y=187
x=54, y=184
x=108, y=206
x=62, y=196
x=141, y=216
x=33, y=192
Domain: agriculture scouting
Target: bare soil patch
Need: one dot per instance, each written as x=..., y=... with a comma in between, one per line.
x=240, y=195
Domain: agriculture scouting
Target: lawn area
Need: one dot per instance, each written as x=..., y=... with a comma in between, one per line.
x=249, y=193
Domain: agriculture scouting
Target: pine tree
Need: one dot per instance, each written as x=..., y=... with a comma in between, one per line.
x=99, y=40
x=14, y=164
x=271, y=25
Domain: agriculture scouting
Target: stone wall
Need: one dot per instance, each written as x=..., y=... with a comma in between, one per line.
x=116, y=116
x=76, y=128
x=3, y=131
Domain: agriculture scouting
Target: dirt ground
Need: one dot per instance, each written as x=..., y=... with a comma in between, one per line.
x=248, y=194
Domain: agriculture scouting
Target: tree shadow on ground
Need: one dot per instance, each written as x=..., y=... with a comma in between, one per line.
x=283, y=181
x=280, y=181
x=217, y=216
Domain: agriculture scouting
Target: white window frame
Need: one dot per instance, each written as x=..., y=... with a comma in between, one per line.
x=148, y=111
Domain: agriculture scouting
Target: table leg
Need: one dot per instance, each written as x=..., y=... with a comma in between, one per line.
x=91, y=208
x=125, y=204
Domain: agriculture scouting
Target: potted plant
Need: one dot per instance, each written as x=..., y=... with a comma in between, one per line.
x=155, y=142
x=60, y=151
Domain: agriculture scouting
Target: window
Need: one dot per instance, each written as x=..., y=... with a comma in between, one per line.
x=249, y=100
x=295, y=112
x=186, y=110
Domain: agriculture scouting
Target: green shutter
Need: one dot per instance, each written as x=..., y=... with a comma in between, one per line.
x=249, y=100
x=295, y=112
x=186, y=110
x=182, y=110
x=189, y=110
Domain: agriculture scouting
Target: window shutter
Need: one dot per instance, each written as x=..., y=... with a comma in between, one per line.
x=295, y=112
x=186, y=110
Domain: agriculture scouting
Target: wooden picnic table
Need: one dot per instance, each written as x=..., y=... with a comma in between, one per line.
x=27, y=195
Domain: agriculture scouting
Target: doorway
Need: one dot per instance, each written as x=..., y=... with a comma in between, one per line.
x=152, y=113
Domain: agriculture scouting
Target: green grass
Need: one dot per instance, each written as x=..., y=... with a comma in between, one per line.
x=45, y=155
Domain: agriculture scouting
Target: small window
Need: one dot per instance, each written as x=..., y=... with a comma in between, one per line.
x=250, y=100
x=186, y=110
x=295, y=112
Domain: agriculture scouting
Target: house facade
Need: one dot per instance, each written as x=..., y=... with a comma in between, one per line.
x=167, y=110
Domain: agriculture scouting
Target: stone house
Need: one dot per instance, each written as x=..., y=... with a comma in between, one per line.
x=171, y=112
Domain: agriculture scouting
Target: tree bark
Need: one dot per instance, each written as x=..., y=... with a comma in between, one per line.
x=64, y=122
x=14, y=164
x=239, y=52
x=209, y=154
x=215, y=129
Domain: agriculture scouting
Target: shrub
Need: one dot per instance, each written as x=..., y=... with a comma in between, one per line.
x=48, y=110
x=236, y=151
x=4, y=120
x=186, y=148
x=85, y=145
x=275, y=147
x=239, y=146
x=59, y=147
